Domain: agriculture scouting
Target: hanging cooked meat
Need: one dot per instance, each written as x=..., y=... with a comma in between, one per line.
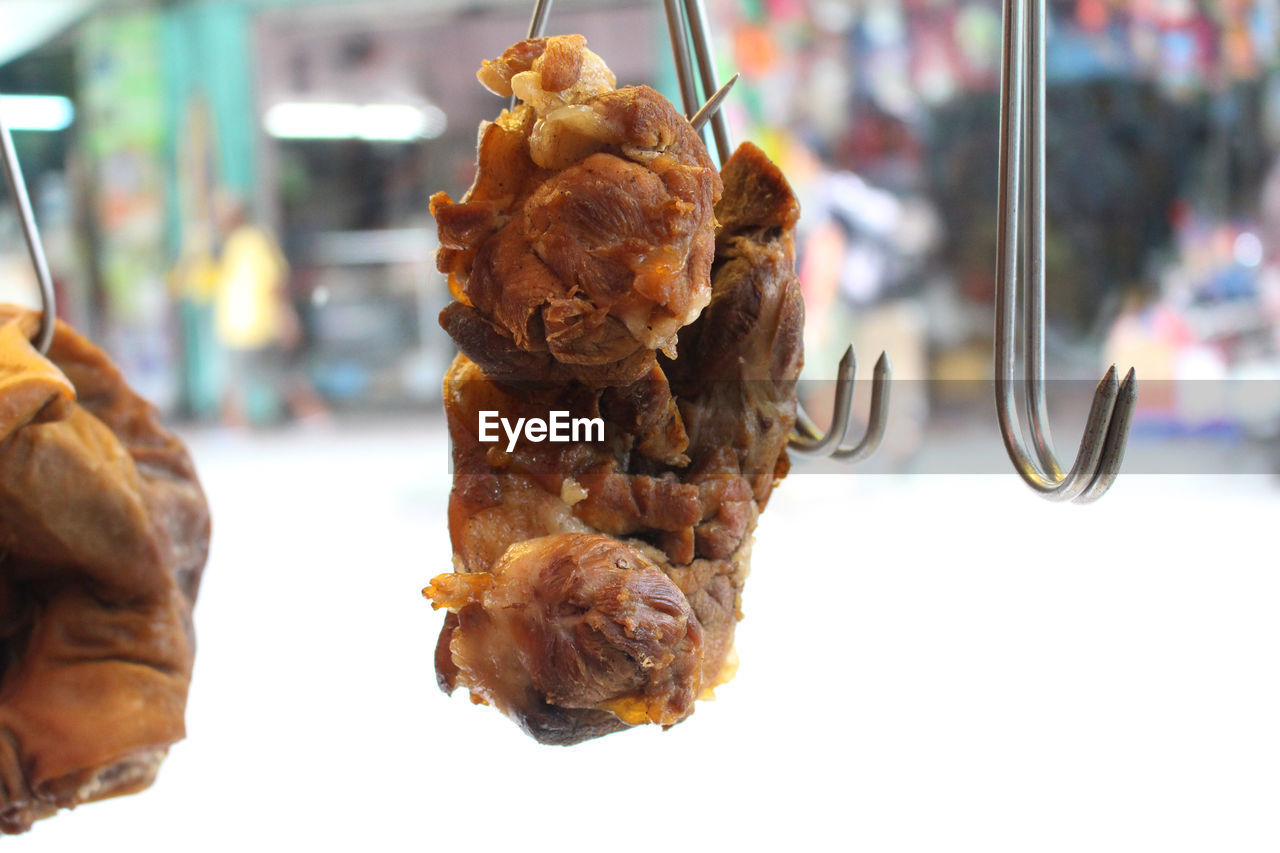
x=104, y=532
x=597, y=584
x=587, y=236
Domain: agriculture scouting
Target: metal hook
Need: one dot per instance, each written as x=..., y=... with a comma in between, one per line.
x=1101, y=452
x=806, y=439
x=696, y=15
x=690, y=21
x=537, y=25
x=48, y=302
x=711, y=108
x=680, y=50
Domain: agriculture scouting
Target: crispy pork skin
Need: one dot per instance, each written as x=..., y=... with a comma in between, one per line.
x=104, y=532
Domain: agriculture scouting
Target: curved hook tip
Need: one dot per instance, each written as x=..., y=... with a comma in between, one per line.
x=1128, y=395
x=1117, y=439
x=1108, y=385
x=848, y=363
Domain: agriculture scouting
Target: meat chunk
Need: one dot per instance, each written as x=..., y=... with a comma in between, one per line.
x=573, y=623
x=589, y=231
x=736, y=378
x=104, y=533
x=597, y=585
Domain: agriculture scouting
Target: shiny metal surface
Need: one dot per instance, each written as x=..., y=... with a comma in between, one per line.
x=1022, y=158
x=696, y=16
x=537, y=26
x=711, y=109
x=806, y=439
x=48, y=301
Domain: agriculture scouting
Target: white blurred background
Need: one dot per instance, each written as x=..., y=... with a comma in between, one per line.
x=933, y=659
x=928, y=663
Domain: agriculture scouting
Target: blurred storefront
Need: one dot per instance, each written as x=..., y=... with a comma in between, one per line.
x=326, y=126
x=353, y=212
x=1163, y=189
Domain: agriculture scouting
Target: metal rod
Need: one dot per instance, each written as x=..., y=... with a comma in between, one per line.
x=538, y=22
x=697, y=17
x=711, y=109
x=680, y=50
x=814, y=444
x=48, y=301
x=1009, y=199
x=1101, y=448
x=1034, y=390
x=537, y=26
x=1012, y=159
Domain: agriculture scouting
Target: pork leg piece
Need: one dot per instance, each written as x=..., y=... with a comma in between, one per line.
x=104, y=532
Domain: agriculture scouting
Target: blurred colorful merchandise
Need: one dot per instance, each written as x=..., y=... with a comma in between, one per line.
x=884, y=115
x=153, y=91
x=903, y=57
x=123, y=132
x=1207, y=346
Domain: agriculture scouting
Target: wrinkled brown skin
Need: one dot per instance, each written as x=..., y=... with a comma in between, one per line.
x=693, y=447
x=104, y=533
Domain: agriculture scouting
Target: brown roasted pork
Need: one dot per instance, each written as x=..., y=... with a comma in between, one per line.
x=587, y=236
x=104, y=532
x=597, y=584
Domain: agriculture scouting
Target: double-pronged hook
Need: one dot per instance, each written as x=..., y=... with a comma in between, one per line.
x=687, y=21
x=806, y=439
x=1107, y=429
x=13, y=171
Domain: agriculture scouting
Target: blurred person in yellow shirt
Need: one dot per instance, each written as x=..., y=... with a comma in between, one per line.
x=258, y=327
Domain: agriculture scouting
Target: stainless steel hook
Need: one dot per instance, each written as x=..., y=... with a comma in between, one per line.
x=48, y=303
x=1022, y=123
x=806, y=439
x=687, y=21
x=537, y=26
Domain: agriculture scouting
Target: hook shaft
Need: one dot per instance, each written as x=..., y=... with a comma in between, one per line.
x=1022, y=156
x=30, y=232
x=538, y=22
x=537, y=26
x=697, y=17
x=711, y=108
x=680, y=50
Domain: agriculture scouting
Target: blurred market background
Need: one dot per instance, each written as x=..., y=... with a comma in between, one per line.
x=217, y=181
x=234, y=196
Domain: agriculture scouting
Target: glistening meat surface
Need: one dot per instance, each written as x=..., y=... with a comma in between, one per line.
x=597, y=586
x=588, y=232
